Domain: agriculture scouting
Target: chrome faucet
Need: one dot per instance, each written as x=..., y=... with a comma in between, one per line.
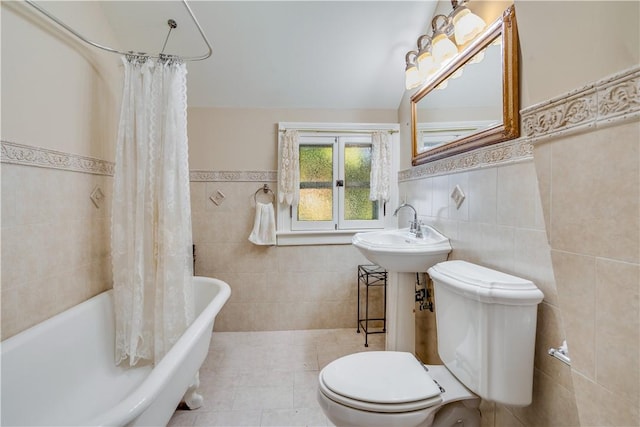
x=414, y=226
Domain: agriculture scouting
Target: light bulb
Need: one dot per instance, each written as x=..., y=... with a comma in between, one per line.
x=443, y=49
x=412, y=77
x=426, y=65
x=467, y=25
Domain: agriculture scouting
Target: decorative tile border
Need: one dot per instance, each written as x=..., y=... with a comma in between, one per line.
x=506, y=152
x=26, y=155
x=34, y=156
x=604, y=103
x=609, y=101
x=232, y=176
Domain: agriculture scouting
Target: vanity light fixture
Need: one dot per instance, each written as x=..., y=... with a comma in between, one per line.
x=411, y=73
x=426, y=65
x=466, y=23
x=437, y=49
x=442, y=48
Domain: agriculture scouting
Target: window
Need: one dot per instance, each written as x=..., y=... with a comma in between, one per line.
x=435, y=134
x=334, y=185
x=335, y=169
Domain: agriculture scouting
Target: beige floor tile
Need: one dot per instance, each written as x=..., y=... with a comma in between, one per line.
x=293, y=417
x=243, y=418
x=305, y=379
x=305, y=397
x=254, y=398
x=268, y=378
x=183, y=419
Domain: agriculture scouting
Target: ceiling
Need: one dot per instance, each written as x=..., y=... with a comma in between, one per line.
x=282, y=54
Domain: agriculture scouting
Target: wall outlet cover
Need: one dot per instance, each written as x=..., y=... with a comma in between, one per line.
x=458, y=196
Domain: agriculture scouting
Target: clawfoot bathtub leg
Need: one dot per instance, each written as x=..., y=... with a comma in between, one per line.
x=191, y=398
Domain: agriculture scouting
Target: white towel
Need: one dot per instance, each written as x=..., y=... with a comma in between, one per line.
x=264, y=226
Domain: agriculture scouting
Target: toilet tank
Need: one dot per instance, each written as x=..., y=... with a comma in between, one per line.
x=486, y=323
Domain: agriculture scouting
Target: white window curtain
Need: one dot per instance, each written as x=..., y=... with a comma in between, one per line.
x=289, y=168
x=151, y=242
x=380, y=166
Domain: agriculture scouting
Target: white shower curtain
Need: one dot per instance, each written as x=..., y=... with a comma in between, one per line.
x=151, y=242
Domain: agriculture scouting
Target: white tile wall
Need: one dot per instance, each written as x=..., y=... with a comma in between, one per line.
x=500, y=225
x=55, y=243
x=272, y=288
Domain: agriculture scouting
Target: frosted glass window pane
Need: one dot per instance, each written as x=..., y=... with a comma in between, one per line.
x=316, y=163
x=357, y=172
x=315, y=205
x=316, y=183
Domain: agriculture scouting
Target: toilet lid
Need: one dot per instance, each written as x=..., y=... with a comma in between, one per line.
x=386, y=377
x=484, y=284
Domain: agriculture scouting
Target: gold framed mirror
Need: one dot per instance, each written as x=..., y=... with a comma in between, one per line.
x=472, y=102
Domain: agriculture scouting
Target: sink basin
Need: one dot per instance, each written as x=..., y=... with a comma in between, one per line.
x=401, y=251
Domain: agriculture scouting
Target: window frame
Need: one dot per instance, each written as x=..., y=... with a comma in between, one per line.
x=286, y=234
x=296, y=225
x=345, y=224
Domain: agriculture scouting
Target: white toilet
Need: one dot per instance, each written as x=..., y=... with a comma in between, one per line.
x=486, y=322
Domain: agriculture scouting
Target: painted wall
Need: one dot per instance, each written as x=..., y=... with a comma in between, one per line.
x=57, y=92
x=273, y=288
x=246, y=139
x=61, y=96
x=567, y=217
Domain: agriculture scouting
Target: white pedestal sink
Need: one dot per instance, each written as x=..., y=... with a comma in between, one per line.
x=402, y=254
x=401, y=251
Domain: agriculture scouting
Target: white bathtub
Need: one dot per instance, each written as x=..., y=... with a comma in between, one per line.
x=62, y=372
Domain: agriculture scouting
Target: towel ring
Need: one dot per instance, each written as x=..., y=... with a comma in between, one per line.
x=266, y=190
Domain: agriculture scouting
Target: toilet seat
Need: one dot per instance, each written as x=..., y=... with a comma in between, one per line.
x=380, y=381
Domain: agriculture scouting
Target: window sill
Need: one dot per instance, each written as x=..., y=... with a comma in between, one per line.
x=328, y=237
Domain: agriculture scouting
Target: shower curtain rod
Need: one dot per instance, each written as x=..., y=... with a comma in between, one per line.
x=109, y=49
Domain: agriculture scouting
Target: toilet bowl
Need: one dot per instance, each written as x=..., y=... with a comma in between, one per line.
x=486, y=334
x=388, y=388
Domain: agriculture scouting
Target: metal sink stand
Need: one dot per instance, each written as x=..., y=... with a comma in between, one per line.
x=371, y=275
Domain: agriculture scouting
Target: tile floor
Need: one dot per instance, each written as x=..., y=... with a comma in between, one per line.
x=268, y=378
